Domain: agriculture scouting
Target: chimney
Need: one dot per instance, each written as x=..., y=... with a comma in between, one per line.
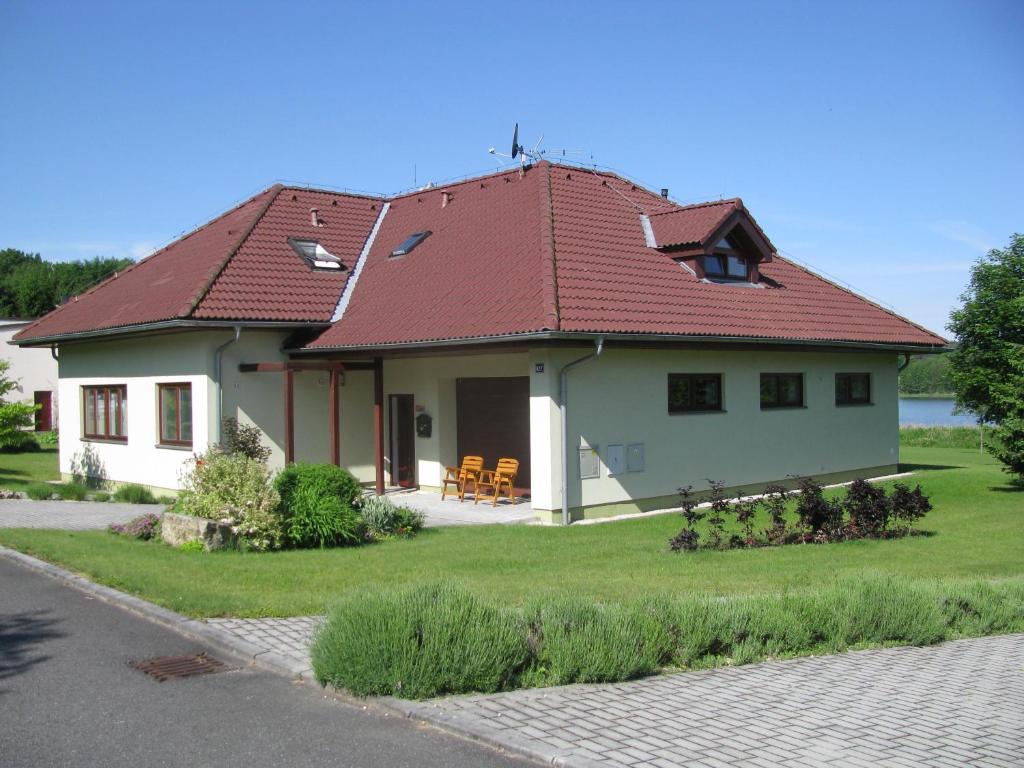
x=664, y=192
x=446, y=197
x=314, y=217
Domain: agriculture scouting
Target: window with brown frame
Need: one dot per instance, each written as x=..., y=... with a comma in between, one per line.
x=853, y=389
x=782, y=390
x=694, y=392
x=103, y=412
x=175, y=414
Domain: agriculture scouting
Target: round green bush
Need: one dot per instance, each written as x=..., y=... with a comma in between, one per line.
x=318, y=505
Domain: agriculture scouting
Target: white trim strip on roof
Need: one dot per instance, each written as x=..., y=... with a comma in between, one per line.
x=645, y=222
x=350, y=286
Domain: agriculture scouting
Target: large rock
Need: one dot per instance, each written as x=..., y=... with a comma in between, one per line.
x=176, y=529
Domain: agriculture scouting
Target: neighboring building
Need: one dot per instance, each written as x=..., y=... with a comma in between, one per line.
x=35, y=370
x=395, y=335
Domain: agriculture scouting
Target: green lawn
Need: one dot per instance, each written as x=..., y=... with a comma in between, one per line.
x=20, y=470
x=975, y=531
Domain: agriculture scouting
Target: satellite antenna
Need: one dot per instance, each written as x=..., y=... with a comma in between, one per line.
x=535, y=154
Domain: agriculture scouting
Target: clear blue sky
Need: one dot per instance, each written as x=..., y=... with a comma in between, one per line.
x=879, y=142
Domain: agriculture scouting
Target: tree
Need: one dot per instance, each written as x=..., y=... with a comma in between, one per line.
x=14, y=417
x=988, y=365
x=31, y=287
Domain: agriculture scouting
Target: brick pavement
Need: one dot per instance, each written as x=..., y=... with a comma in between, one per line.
x=949, y=705
x=69, y=515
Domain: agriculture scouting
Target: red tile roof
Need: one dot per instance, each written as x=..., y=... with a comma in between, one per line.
x=553, y=249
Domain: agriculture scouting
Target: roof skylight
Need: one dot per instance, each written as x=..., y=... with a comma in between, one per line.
x=411, y=242
x=314, y=253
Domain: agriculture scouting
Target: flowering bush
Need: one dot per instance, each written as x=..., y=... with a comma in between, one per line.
x=236, y=490
x=143, y=527
x=383, y=520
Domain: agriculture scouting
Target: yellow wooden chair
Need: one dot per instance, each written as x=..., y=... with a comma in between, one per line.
x=460, y=477
x=500, y=482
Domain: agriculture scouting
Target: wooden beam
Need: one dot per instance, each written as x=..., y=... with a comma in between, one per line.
x=316, y=365
x=289, y=417
x=334, y=411
x=378, y=421
x=260, y=367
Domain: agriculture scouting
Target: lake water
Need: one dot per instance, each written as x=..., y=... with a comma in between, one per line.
x=933, y=412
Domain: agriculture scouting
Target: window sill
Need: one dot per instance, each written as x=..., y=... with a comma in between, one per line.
x=105, y=440
x=783, y=407
x=696, y=413
x=169, y=447
x=853, y=405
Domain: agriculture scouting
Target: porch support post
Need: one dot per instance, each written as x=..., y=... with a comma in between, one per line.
x=289, y=416
x=334, y=409
x=378, y=422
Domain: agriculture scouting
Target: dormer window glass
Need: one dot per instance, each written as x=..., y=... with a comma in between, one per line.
x=315, y=254
x=725, y=262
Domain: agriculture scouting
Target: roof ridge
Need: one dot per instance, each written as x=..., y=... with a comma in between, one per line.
x=735, y=201
x=854, y=293
x=548, y=259
x=447, y=185
x=142, y=261
x=324, y=190
x=274, y=191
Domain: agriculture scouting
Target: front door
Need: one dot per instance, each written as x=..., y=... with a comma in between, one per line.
x=44, y=412
x=493, y=421
x=403, y=445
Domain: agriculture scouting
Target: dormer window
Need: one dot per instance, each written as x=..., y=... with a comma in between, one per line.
x=315, y=254
x=411, y=242
x=725, y=262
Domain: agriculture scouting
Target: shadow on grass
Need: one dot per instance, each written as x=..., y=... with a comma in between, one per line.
x=20, y=636
x=928, y=467
x=1011, y=488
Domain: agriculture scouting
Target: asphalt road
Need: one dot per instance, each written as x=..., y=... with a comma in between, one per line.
x=69, y=698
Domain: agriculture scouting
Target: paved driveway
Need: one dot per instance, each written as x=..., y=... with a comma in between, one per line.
x=70, y=515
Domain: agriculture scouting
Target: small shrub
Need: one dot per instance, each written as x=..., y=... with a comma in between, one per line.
x=382, y=519
x=817, y=515
x=46, y=439
x=40, y=491
x=244, y=439
x=194, y=545
x=317, y=505
x=133, y=493
x=101, y=496
x=687, y=539
x=745, y=512
x=908, y=506
x=716, y=517
x=167, y=501
x=867, y=508
x=143, y=527
x=72, y=491
x=419, y=641
x=235, y=489
x=775, y=497
x=582, y=642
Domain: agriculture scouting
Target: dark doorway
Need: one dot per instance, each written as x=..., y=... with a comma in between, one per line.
x=403, y=441
x=44, y=413
x=494, y=422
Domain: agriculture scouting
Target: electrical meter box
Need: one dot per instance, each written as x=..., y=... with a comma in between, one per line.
x=635, y=457
x=615, y=459
x=590, y=462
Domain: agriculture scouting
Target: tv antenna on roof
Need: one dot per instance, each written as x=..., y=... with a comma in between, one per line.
x=535, y=154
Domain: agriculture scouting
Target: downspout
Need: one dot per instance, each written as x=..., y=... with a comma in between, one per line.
x=216, y=375
x=53, y=351
x=563, y=397
x=905, y=363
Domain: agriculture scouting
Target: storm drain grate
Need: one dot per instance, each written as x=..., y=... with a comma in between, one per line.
x=175, y=667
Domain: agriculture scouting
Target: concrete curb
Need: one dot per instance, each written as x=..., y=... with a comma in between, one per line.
x=275, y=663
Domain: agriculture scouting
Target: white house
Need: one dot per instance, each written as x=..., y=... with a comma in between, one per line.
x=618, y=344
x=34, y=370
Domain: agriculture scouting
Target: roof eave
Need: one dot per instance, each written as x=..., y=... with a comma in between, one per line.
x=632, y=337
x=163, y=325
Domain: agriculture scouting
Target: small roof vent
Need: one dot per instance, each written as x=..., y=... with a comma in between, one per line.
x=411, y=242
x=315, y=254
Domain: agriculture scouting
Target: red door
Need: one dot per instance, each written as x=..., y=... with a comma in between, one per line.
x=403, y=441
x=44, y=413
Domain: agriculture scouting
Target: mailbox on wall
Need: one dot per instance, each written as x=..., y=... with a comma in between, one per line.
x=424, y=425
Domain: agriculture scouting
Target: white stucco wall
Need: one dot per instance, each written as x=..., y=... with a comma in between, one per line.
x=621, y=398
x=140, y=364
x=33, y=368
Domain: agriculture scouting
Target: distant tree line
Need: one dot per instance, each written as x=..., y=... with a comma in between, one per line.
x=31, y=287
x=927, y=375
